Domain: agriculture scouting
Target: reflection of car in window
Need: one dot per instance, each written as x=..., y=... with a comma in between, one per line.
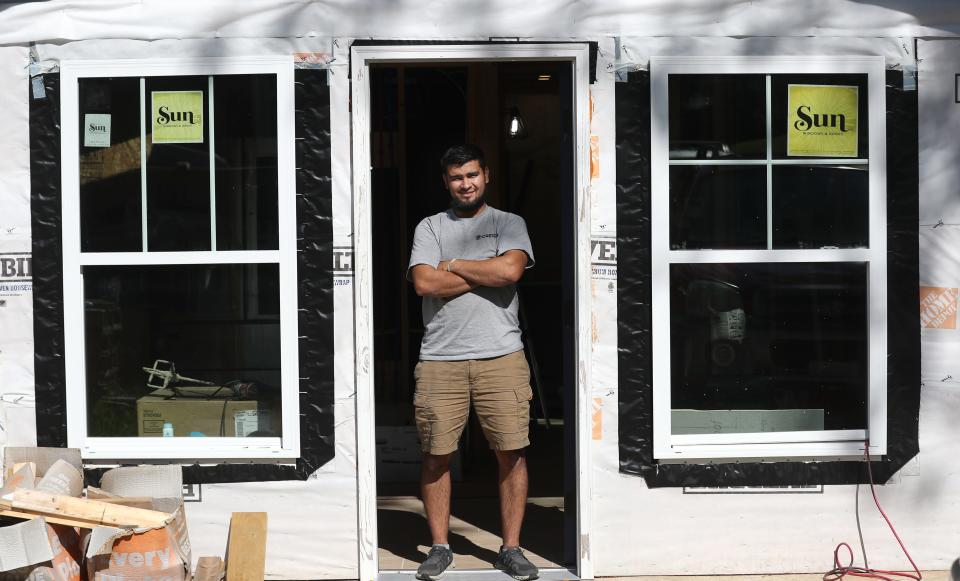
x=769, y=336
x=719, y=303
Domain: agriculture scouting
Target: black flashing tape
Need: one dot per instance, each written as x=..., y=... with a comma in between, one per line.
x=314, y=272
x=45, y=224
x=634, y=309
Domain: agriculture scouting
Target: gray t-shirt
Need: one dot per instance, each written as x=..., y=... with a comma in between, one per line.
x=483, y=322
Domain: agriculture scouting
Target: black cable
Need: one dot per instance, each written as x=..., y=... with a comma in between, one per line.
x=223, y=418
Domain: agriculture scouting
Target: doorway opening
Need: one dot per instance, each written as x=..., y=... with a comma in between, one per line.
x=521, y=114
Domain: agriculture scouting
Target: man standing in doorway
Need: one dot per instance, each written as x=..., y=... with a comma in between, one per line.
x=465, y=264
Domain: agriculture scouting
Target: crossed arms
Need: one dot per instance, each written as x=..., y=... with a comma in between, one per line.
x=466, y=275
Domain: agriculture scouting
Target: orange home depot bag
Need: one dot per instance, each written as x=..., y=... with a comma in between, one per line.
x=39, y=551
x=161, y=554
x=158, y=554
x=144, y=556
x=65, y=544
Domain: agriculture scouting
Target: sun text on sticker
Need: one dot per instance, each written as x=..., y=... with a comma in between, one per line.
x=165, y=116
x=808, y=120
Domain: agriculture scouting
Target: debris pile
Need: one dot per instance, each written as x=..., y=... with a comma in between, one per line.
x=131, y=528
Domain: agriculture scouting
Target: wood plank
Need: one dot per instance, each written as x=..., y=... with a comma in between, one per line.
x=209, y=569
x=144, y=502
x=247, y=546
x=81, y=509
x=94, y=493
x=70, y=522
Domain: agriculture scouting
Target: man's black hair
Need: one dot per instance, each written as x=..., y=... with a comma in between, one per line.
x=461, y=154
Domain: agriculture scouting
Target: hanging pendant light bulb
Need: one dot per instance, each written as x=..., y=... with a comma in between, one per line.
x=516, y=129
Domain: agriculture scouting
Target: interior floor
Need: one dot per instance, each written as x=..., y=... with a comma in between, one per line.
x=475, y=514
x=474, y=537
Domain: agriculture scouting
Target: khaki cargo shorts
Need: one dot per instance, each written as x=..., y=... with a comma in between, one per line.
x=499, y=388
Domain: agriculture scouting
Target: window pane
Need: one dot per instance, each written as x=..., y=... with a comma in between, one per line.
x=178, y=173
x=245, y=136
x=828, y=111
x=820, y=206
x=110, y=165
x=768, y=347
x=217, y=324
x=717, y=116
x=718, y=207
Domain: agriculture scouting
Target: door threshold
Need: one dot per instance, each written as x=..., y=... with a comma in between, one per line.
x=479, y=575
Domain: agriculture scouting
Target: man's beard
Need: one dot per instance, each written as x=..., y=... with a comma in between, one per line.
x=456, y=204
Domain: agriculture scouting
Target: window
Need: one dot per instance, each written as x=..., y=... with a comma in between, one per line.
x=180, y=301
x=769, y=257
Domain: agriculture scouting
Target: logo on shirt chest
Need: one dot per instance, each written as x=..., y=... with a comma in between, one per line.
x=482, y=236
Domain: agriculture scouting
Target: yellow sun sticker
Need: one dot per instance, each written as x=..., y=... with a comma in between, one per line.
x=177, y=116
x=822, y=120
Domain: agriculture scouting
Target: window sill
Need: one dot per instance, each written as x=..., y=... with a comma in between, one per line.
x=190, y=450
x=851, y=449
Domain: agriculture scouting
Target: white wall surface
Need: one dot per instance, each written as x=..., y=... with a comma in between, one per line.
x=60, y=20
x=665, y=532
x=939, y=128
x=940, y=275
x=17, y=426
x=637, y=531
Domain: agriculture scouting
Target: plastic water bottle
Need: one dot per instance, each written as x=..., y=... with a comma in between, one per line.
x=167, y=430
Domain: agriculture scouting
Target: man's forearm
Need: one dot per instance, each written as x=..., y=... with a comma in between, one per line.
x=449, y=284
x=439, y=283
x=493, y=272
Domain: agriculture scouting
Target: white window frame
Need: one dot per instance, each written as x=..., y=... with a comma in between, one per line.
x=283, y=448
x=825, y=444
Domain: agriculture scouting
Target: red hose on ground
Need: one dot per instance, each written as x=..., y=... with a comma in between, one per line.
x=840, y=571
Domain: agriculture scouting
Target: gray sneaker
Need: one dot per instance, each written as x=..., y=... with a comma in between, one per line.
x=437, y=561
x=513, y=562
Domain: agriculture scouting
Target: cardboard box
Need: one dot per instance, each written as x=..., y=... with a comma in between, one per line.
x=36, y=550
x=57, y=470
x=145, y=554
x=206, y=416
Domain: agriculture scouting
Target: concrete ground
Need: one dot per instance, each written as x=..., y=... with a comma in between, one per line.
x=556, y=576
x=927, y=576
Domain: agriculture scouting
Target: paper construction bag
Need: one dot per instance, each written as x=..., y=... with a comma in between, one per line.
x=158, y=554
x=59, y=470
x=37, y=551
x=62, y=478
x=44, y=458
x=21, y=478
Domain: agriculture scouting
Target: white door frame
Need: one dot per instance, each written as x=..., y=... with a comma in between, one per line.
x=361, y=57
